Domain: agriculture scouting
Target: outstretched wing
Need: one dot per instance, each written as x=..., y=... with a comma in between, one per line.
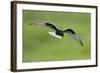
x=74, y=35
x=44, y=25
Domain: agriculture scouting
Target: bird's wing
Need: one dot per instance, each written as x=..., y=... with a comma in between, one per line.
x=74, y=35
x=44, y=25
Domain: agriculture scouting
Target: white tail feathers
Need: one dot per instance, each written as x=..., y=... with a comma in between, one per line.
x=54, y=34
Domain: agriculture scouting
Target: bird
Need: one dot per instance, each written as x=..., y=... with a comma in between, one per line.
x=58, y=33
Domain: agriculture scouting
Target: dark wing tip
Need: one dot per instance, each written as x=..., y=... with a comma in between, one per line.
x=81, y=43
x=30, y=24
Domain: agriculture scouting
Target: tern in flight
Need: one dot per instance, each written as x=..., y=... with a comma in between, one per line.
x=59, y=33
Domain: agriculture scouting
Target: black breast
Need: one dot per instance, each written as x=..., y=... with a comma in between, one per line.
x=60, y=33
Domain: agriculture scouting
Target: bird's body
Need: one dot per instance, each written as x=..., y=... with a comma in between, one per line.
x=54, y=34
x=59, y=33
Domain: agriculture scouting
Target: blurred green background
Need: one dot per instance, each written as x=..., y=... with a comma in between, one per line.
x=38, y=45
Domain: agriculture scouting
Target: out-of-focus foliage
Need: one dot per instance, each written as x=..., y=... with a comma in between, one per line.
x=38, y=45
